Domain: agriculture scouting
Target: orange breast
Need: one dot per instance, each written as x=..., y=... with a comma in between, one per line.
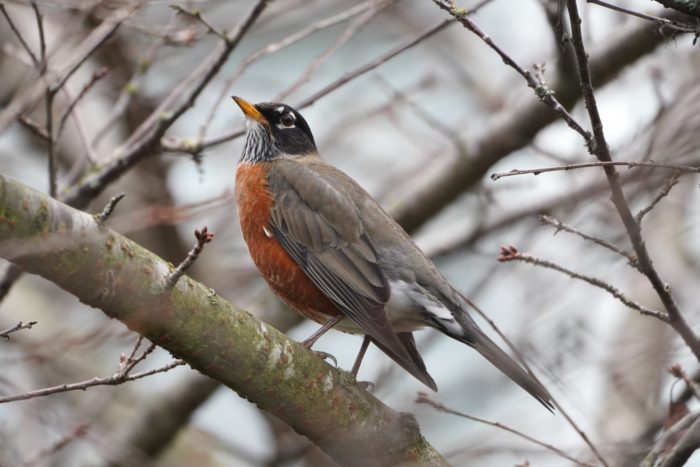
x=281, y=272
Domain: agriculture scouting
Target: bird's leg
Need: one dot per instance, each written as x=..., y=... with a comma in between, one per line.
x=360, y=356
x=367, y=385
x=321, y=331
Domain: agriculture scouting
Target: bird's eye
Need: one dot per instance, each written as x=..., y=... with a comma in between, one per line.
x=287, y=120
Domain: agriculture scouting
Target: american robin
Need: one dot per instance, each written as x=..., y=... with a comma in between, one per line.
x=331, y=253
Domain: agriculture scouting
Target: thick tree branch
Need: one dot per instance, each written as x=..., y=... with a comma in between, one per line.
x=109, y=272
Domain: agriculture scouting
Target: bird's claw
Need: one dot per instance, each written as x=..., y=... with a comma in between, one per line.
x=326, y=356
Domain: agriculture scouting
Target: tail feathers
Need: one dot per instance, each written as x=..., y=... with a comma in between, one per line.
x=415, y=365
x=475, y=337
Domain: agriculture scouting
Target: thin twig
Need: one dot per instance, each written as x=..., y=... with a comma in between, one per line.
x=127, y=363
x=420, y=112
x=542, y=91
x=346, y=78
x=132, y=86
x=48, y=98
x=352, y=29
x=77, y=432
x=559, y=225
x=19, y=36
x=96, y=76
x=525, y=365
x=601, y=150
x=141, y=143
x=197, y=15
x=510, y=253
x=58, y=76
x=49, y=140
x=114, y=380
x=6, y=333
x=102, y=216
x=665, y=190
x=42, y=40
x=203, y=237
x=32, y=126
x=424, y=399
x=272, y=48
x=674, y=25
x=567, y=167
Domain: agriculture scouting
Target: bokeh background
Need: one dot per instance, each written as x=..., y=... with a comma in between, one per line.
x=397, y=129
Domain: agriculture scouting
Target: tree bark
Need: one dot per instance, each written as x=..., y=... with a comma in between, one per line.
x=107, y=271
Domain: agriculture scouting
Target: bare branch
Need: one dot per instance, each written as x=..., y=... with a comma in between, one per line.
x=19, y=36
x=102, y=217
x=56, y=78
x=510, y=253
x=114, y=380
x=543, y=92
x=133, y=84
x=185, y=145
x=32, y=126
x=567, y=167
x=601, y=150
x=203, y=237
x=352, y=29
x=260, y=53
x=515, y=127
x=559, y=225
x=660, y=22
x=525, y=365
x=196, y=14
x=424, y=399
x=6, y=333
x=77, y=432
x=96, y=76
x=48, y=97
x=142, y=141
x=665, y=190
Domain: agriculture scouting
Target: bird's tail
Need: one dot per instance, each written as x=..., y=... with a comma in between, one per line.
x=475, y=337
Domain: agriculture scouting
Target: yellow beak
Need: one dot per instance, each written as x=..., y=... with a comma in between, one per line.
x=250, y=110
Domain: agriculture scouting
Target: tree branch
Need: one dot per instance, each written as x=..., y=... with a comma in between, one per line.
x=424, y=399
x=107, y=271
x=510, y=253
x=6, y=333
x=601, y=150
x=567, y=167
x=515, y=128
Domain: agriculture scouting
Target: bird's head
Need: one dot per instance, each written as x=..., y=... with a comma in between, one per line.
x=275, y=131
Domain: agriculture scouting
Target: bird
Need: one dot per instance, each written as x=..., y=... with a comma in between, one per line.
x=329, y=251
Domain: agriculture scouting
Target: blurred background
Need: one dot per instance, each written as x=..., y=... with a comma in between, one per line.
x=422, y=132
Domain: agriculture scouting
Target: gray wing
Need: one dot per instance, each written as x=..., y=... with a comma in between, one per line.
x=322, y=231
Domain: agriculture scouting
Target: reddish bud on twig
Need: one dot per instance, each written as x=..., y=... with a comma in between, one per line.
x=508, y=253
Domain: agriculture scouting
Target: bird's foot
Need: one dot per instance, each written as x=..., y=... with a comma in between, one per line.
x=326, y=356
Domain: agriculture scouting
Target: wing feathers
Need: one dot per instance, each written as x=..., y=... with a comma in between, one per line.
x=320, y=228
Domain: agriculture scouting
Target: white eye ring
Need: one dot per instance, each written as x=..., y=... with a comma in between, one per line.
x=287, y=120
